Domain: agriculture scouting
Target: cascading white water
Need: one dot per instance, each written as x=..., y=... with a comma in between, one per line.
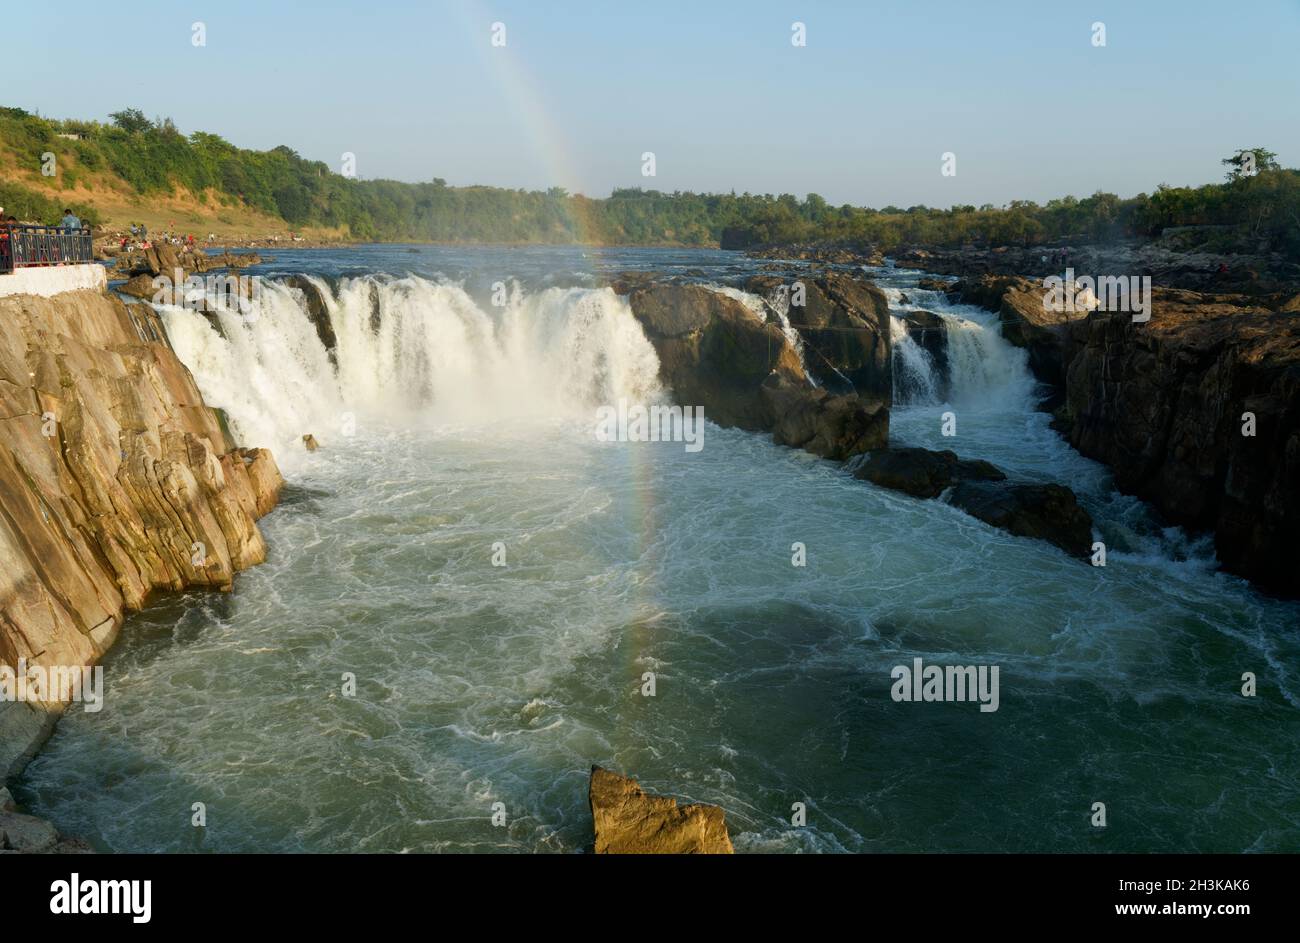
x=916, y=378
x=434, y=355
x=982, y=367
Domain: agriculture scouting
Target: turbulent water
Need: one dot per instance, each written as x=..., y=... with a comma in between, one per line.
x=454, y=432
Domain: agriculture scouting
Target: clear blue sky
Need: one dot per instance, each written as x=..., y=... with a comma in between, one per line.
x=861, y=114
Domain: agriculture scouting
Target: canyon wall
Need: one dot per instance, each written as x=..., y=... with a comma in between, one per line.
x=1196, y=411
x=116, y=482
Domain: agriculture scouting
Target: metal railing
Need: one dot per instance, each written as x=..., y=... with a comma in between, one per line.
x=28, y=246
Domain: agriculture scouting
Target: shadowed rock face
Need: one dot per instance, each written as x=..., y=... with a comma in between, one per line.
x=630, y=822
x=1162, y=403
x=317, y=311
x=844, y=325
x=716, y=353
x=1045, y=512
x=116, y=482
x=921, y=472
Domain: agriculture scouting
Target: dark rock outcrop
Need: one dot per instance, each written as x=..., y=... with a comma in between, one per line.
x=1044, y=512
x=1163, y=404
x=317, y=311
x=930, y=333
x=832, y=426
x=716, y=353
x=921, y=473
x=844, y=325
x=1170, y=262
x=628, y=821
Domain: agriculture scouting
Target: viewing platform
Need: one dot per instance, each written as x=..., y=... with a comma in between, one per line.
x=47, y=260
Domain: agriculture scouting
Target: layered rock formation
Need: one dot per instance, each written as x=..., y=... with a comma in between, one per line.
x=1164, y=403
x=844, y=325
x=141, y=266
x=1198, y=412
x=116, y=482
x=718, y=353
x=628, y=821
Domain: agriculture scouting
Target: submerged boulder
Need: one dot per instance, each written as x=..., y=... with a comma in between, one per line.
x=1045, y=512
x=921, y=472
x=27, y=834
x=628, y=821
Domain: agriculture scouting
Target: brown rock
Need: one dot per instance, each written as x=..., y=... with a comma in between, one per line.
x=138, y=286
x=630, y=822
x=116, y=482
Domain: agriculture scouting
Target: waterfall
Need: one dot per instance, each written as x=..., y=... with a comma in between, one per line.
x=414, y=350
x=980, y=367
x=916, y=378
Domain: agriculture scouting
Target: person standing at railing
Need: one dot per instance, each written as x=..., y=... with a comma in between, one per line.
x=70, y=220
x=6, y=251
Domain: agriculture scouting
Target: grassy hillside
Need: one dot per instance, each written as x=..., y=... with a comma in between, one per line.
x=131, y=169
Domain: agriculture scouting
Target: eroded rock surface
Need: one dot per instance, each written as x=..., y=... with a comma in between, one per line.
x=116, y=482
x=1166, y=403
x=628, y=821
x=716, y=352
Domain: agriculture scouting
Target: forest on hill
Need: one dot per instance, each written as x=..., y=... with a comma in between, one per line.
x=1255, y=207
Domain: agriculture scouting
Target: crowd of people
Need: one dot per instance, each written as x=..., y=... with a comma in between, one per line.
x=138, y=238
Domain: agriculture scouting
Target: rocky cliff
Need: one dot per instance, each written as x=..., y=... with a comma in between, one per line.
x=742, y=367
x=1196, y=410
x=116, y=482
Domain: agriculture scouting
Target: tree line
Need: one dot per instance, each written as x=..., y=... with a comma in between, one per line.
x=1256, y=207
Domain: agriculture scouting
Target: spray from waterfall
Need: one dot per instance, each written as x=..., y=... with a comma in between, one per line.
x=412, y=351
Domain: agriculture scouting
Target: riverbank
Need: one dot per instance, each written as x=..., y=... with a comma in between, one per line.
x=120, y=484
